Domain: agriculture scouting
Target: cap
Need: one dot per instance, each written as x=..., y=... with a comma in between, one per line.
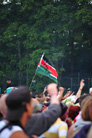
x=10, y=89
x=16, y=102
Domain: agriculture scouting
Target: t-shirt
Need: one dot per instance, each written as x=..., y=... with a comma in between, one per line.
x=70, y=99
x=57, y=130
x=8, y=131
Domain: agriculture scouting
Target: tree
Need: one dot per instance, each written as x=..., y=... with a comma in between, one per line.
x=60, y=29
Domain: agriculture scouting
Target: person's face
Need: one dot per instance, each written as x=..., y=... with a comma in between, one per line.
x=30, y=108
x=90, y=92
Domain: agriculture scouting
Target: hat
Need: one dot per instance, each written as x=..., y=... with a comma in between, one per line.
x=16, y=102
x=10, y=89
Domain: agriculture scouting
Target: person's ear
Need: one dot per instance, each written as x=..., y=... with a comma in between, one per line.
x=27, y=106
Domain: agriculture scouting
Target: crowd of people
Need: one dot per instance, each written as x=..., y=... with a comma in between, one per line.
x=55, y=115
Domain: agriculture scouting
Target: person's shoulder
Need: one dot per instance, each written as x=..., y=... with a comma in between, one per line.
x=2, y=124
x=60, y=122
x=16, y=128
x=19, y=134
x=9, y=130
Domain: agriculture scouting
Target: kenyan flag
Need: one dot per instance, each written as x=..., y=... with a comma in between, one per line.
x=45, y=68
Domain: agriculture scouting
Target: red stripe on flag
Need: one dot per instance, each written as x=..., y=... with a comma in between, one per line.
x=50, y=68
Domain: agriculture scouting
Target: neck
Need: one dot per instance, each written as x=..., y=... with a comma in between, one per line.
x=23, y=120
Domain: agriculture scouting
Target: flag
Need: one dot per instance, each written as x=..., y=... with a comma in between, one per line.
x=45, y=68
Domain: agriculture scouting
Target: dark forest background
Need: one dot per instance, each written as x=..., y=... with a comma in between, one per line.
x=62, y=29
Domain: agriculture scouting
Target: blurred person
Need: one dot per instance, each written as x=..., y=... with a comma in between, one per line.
x=10, y=89
x=20, y=109
x=86, y=117
x=40, y=123
x=90, y=90
x=72, y=98
x=86, y=114
x=73, y=111
x=60, y=93
x=8, y=83
x=3, y=106
x=81, y=105
x=82, y=84
x=57, y=130
x=37, y=106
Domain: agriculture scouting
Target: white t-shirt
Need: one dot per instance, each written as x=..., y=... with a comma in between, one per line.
x=70, y=99
x=6, y=133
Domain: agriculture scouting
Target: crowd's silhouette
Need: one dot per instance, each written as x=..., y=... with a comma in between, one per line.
x=55, y=115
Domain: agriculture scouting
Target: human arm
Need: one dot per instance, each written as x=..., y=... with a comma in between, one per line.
x=72, y=93
x=60, y=95
x=18, y=134
x=44, y=92
x=67, y=95
x=39, y=123
x=82, y=84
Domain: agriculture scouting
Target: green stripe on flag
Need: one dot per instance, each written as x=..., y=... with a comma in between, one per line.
x=44, y=71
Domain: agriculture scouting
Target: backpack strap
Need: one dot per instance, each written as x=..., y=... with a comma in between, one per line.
x=6, y=126
x=10, y=124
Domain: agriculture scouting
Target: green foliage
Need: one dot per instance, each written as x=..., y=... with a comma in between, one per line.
x=60, y=29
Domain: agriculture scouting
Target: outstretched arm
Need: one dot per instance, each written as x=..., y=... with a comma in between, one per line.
x=60, y=95
x=41, y=122
x=82, y=84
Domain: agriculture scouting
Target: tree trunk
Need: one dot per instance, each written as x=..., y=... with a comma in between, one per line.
x=71, y=44
x=60, y=74
x=19, y=57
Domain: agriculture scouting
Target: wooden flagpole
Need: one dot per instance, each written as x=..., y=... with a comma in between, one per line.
x=34, y=75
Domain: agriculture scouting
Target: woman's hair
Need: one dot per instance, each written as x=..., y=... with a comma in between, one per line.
x=73, y=111
x=87, y=109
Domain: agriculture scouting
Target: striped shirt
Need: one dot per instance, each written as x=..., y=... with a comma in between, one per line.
x=57, y=130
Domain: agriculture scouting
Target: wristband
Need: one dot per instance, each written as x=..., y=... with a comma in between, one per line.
x=53, y=94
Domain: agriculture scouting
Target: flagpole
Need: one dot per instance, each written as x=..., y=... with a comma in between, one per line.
x=31, y=81
x=35, y=74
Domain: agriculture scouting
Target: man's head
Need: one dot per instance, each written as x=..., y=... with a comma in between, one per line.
x=90, y=90
x=18, y=103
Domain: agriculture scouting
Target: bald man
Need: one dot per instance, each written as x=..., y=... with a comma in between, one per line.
x=3, y=107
